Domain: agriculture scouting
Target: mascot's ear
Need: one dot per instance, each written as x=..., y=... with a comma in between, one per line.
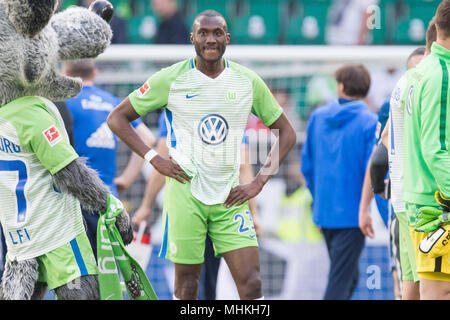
x=103, y=8
x=29, y=17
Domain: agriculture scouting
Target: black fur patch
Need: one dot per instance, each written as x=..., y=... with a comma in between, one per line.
x=43, y=11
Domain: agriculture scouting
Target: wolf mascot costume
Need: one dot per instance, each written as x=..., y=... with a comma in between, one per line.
x=42, y=179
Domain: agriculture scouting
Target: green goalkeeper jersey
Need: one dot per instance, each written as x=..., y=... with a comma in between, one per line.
x=427, y=134
x=36, y=218
x=207, y=117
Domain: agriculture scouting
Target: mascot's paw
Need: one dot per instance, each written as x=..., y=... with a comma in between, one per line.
x=19, y=279
x=103, y=8
x=123, y=223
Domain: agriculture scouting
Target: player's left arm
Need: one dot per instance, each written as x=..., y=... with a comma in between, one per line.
x=435, y=133
x=286, y=138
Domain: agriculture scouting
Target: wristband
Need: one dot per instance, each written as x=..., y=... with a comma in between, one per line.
x=150, y=155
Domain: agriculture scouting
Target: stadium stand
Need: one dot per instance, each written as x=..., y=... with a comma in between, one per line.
x=282, y=22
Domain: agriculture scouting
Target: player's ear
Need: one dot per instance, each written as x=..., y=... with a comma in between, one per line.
x=340, y=88
x=228, y=36
x=191, y=37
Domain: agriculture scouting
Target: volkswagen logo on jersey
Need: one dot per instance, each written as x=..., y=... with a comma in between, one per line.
x=213, y=129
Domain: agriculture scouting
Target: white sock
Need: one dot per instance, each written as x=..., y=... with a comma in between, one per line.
x=175, y=298
x=262, y=298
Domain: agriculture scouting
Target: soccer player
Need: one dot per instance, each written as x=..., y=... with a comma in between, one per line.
x=156, y=182
x=426, y=158
x=94, y=140
x=208, y=99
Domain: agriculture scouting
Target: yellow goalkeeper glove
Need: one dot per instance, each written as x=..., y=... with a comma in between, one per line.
x=429, y=219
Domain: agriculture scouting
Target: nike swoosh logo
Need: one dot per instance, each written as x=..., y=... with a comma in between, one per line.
x=190, y=96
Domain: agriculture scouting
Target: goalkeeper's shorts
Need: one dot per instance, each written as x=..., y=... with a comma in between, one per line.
x=186, y=221
x=432, y=256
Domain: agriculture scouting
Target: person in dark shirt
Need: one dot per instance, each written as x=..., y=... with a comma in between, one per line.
x=172, y=28
x=67, y=119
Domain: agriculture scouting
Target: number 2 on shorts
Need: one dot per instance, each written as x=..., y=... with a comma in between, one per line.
x=242, y=227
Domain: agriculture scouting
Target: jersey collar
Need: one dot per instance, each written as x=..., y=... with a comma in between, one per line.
x=440, y=51
x=222, y=74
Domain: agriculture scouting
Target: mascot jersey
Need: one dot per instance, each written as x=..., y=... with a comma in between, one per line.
x=34, y=146
x=92, y=136
x=208, y=117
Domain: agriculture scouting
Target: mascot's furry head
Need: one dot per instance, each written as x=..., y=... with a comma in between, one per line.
x=34, y=39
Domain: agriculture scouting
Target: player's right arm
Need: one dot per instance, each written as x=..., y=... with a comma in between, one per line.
x=119, y=122
x=155, y=183
x=152, y=95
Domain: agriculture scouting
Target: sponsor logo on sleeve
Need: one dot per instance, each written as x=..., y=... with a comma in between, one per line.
x=143, y=90
x=52, y=135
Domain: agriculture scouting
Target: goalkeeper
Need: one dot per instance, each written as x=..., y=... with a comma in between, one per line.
x=427, y=159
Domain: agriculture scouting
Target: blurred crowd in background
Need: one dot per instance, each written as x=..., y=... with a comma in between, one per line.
x=334, y=22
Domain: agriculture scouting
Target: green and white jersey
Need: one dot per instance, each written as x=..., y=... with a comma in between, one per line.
x=207, y=117
x=396, y=142
x=427, y=133
x=35, y=217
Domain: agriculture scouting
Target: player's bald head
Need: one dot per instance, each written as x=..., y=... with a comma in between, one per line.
x=415, y=57
x=209, y=14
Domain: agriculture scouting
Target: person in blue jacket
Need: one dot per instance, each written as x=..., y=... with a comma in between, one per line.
x=338, y=145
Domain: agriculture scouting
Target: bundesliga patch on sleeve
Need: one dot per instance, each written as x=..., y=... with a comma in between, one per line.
x=143, y=90
x=52, y=135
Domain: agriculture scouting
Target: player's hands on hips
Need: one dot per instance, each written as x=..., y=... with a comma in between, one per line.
x=169, y=168
x=365, y=223
x=239, y=194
